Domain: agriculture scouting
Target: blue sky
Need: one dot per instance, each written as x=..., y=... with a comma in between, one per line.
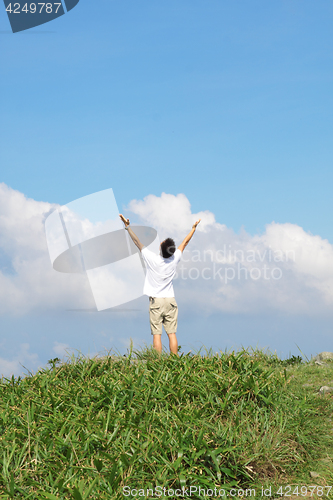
x=229, y=103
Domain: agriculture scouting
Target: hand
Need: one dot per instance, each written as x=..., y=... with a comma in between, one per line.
x=195, y=224
x=125, y=221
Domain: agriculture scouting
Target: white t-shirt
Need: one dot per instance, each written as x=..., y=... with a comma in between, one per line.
x=160, y=273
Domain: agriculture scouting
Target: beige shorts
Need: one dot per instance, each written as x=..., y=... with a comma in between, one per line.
x=163, y=310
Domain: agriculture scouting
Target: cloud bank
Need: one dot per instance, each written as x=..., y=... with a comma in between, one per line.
x=284, y=269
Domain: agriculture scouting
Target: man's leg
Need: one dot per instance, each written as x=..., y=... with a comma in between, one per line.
x=157, y=342
x=173, y=344
x=170, y=324
x=155, y=317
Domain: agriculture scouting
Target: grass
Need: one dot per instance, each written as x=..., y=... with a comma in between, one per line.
x=87, y=428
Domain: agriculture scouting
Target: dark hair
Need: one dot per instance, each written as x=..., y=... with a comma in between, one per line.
x=168, y=248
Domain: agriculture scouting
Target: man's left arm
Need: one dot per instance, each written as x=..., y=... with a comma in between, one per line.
x=188, y=237
x=134, y=237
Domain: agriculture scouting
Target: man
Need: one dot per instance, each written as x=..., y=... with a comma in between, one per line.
x=158, y=286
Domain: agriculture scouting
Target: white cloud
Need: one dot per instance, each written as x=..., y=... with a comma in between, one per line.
x=16, y=366
x=171, y=214
x=61, y=349
x=31, y=283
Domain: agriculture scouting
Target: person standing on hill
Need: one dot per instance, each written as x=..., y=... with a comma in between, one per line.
x=158, y=285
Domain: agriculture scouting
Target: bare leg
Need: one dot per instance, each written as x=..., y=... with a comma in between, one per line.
x=157, y=343
x=173, y=344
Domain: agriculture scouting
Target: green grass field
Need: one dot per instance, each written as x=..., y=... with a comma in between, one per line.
x=112, y=427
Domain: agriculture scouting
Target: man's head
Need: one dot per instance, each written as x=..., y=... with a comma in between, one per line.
x=168, y=248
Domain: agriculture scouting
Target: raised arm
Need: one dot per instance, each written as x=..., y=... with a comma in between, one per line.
x=134, y=237
x=188, y=237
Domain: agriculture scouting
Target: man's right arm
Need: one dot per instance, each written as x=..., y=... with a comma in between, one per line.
x=134, y=237
x=188, y=237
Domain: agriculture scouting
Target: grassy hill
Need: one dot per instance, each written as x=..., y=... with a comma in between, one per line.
x=112, y=427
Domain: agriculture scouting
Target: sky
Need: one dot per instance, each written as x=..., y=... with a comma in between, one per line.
x=220, y=110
